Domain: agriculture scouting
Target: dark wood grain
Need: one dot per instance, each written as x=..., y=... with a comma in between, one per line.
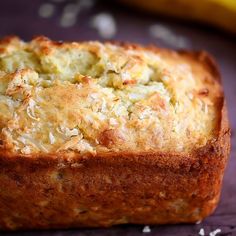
x=21, y=18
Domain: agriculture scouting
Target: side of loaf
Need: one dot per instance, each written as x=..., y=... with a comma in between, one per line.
x=96, y=134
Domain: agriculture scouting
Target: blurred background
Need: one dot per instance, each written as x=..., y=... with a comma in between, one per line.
x=180, y=24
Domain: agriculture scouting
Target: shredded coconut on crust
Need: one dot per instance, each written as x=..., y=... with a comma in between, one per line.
x=90, y=96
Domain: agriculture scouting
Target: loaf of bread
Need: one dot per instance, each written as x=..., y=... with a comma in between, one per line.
x=97, y=134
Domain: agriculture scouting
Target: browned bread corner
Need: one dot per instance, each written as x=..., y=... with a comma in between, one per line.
x=99, y=134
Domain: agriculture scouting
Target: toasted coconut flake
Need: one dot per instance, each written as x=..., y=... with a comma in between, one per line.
x=52, y=138
x=30, y=110
x=71, y=143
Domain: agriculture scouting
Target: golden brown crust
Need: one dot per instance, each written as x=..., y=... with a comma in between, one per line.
x=52, y=192
x=68, y=189
x=109, y=97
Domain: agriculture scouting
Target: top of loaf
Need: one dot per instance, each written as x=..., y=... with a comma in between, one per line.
x=95, y=97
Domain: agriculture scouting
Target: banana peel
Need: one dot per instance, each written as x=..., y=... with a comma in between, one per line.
x=220, y=13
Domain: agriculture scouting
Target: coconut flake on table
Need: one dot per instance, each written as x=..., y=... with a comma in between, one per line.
x=69, y=14
x=46, y=10
x=215, y=232
x=202, y=232
x=71, y=11
x=146, y=229
x=105, y=24
x=168, y=36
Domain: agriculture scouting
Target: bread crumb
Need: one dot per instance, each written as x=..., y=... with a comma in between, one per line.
x=146, y=229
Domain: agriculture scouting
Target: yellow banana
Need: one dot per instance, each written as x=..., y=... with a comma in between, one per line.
x=221, y=13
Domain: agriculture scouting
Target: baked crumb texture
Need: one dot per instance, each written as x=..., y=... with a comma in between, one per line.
x=94, y=97
x=101, y=134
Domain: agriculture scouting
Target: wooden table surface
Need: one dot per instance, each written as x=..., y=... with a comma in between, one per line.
x=21, y=17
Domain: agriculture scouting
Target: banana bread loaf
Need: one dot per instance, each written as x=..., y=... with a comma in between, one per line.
x=97, y=134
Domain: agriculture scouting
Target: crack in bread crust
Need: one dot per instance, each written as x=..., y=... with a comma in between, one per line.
x=65, y=96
